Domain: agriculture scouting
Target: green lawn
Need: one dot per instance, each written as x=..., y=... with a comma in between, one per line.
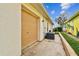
x=73, y=43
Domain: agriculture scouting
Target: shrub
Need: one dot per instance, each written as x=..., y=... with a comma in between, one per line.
x=58, y=29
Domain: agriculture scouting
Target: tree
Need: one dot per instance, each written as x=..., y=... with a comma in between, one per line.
x=61, y=19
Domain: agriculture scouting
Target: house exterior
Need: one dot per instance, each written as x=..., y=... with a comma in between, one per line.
x=22, y=25
x=35, y=23
x=72, y=25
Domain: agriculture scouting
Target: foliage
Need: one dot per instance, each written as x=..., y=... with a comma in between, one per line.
x=57, y=29
x=61, y=19
x=73, y=43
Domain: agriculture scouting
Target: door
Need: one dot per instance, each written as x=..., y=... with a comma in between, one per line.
x=29, y=29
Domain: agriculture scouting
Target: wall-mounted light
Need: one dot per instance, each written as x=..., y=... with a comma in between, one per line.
x=42, y=20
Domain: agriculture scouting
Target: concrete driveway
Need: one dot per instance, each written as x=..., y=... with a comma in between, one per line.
x=46, y=48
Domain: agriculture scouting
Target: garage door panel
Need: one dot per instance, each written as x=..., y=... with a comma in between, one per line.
x=29, y=29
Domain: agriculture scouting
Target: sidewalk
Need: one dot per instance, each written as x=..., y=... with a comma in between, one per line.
x=46, y=48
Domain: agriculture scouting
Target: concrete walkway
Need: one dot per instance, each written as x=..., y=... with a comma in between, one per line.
x=46, y=48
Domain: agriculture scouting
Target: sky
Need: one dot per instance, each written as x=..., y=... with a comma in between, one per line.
x=54, y=10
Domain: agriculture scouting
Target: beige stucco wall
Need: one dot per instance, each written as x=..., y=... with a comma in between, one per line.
x=50, y=27
x=41, y=29
x=45, y=25
x=10, y=29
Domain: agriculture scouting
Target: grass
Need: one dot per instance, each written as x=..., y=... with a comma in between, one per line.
x=73, y=43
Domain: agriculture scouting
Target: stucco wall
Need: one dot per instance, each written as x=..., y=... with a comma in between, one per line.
x=41, y=29
x=76, y=25
x=45, y=25
x=10, y=31
x=50, y=27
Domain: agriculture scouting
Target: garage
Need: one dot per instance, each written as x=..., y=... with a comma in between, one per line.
x=30, y=27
